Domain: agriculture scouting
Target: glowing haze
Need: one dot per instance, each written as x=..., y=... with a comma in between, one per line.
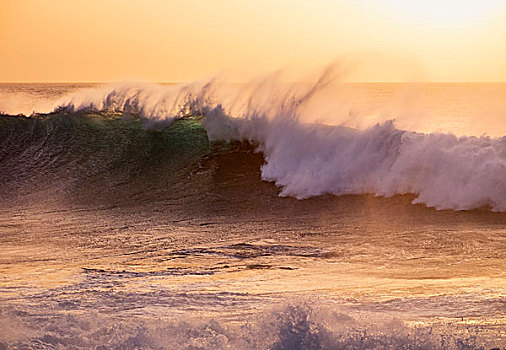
x=181, y=40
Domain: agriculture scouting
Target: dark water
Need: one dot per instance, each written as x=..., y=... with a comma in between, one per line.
x=115, y=236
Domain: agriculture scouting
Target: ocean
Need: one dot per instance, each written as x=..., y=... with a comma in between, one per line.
x=261, y=215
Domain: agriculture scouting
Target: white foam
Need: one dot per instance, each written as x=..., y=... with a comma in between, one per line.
x=294, y=326
x=442, y=170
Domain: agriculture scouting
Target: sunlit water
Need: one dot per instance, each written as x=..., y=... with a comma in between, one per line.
x=113, y=236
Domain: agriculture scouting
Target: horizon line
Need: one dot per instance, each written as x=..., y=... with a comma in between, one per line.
x=239, y=82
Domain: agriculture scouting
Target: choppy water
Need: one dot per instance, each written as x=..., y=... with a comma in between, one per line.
x=136, y=216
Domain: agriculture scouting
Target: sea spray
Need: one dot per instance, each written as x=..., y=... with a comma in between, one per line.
x=308, y=159
x=442, y=170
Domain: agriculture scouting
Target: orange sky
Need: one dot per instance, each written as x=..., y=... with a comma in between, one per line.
x=182, y=40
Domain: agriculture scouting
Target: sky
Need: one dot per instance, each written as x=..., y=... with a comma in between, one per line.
x=184, y=40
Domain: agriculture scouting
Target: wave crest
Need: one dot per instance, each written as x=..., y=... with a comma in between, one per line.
x=442, y=170
x=308, y=159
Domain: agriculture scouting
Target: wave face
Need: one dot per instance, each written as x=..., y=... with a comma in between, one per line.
x=94, y=156
x=304, y=159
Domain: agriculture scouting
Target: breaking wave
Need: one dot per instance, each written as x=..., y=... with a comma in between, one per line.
x=305, y=158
